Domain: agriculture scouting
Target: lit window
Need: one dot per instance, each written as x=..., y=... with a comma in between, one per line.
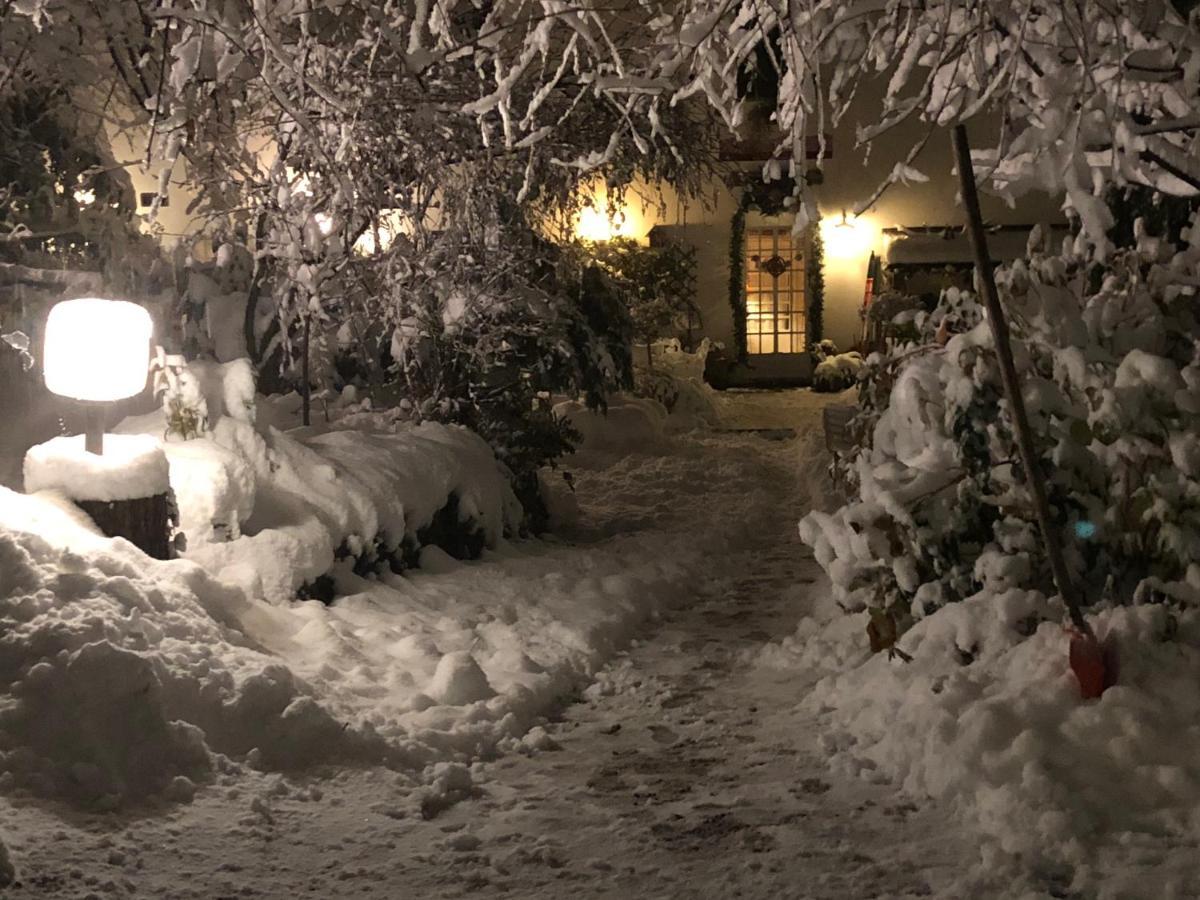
x=774, y=292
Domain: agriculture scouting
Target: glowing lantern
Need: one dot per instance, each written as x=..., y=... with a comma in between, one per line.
x=601, y=221
x=97, y=351
x=845, y=239
x=595, y=225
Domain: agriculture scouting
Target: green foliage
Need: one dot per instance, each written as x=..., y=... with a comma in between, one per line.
x=814, y=286
x=939, y=505
x=501, y=330
x=657, y=284
x=737, y=275
x=47, y=158
x=183, y=420
x=1162, y=215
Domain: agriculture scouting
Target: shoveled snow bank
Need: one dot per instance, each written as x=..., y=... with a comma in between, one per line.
x=629, y=425
x=124, y=677
x=988, y=717
x=271, y=510
x=122, y=674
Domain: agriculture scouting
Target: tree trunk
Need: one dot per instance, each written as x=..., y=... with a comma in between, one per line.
x=255, y=291
x=305, y=389
x=1012, y=387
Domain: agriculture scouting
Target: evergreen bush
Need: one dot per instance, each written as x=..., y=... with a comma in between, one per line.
x=939, y=507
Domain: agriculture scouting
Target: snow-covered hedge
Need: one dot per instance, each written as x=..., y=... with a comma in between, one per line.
x=978, y=706
x=273, y=511
x=1112, y=381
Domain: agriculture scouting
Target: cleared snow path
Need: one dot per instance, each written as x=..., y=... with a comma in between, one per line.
x=684, y=770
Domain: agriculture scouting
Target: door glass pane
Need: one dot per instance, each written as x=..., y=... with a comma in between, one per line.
x=774, y=291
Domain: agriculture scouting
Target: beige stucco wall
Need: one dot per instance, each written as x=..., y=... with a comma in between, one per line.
x=849, y=179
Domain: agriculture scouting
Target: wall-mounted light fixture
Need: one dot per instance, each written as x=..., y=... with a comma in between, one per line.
x=604, y=217
x=600, y=225
x=846, y=238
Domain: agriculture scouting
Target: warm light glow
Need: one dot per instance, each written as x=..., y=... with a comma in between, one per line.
x=85, y=196
x=600, y=221
x=97, y=349
x=845, y=237
x=596, y=225
x=324, y=222
x=391, y=222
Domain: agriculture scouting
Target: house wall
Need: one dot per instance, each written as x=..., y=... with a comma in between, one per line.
x=850, y=177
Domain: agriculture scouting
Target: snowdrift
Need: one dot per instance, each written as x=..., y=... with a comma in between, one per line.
x=988, y=718
x=124, y=677
x=273, y=511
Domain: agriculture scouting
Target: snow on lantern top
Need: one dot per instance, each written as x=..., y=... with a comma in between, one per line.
x=97, y=349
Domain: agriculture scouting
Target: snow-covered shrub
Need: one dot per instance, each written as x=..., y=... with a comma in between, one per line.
x=657, y=386
x=487, y=343
x=837, y=373
x=676, y=380
x=824, y=349
x=627, y=425
x=1111, y=371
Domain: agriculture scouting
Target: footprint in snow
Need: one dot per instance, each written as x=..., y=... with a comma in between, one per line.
x=663, y=735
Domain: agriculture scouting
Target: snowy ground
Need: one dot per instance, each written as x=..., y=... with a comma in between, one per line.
x=680, y=771
x=683, y=764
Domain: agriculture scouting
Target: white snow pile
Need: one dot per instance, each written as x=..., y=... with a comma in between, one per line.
x=937, y=545
x=670, y=398
x=123, y=677
x=837, y=372
x=990, y=721
x=629, y=424
x=122, y=674
x=130, y=466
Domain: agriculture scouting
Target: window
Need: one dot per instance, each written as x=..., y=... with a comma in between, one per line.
x=774, y=292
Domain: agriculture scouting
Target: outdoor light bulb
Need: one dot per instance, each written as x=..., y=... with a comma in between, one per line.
x=324, y=223
x=97, y=349
x=845, y=239
x=594, y=225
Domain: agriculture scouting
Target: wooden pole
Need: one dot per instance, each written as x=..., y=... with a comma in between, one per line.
x=1012, y=387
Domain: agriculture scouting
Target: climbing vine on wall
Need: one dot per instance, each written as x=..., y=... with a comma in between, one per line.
x=737, y=275
x=814, y=285
x=771, y=198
